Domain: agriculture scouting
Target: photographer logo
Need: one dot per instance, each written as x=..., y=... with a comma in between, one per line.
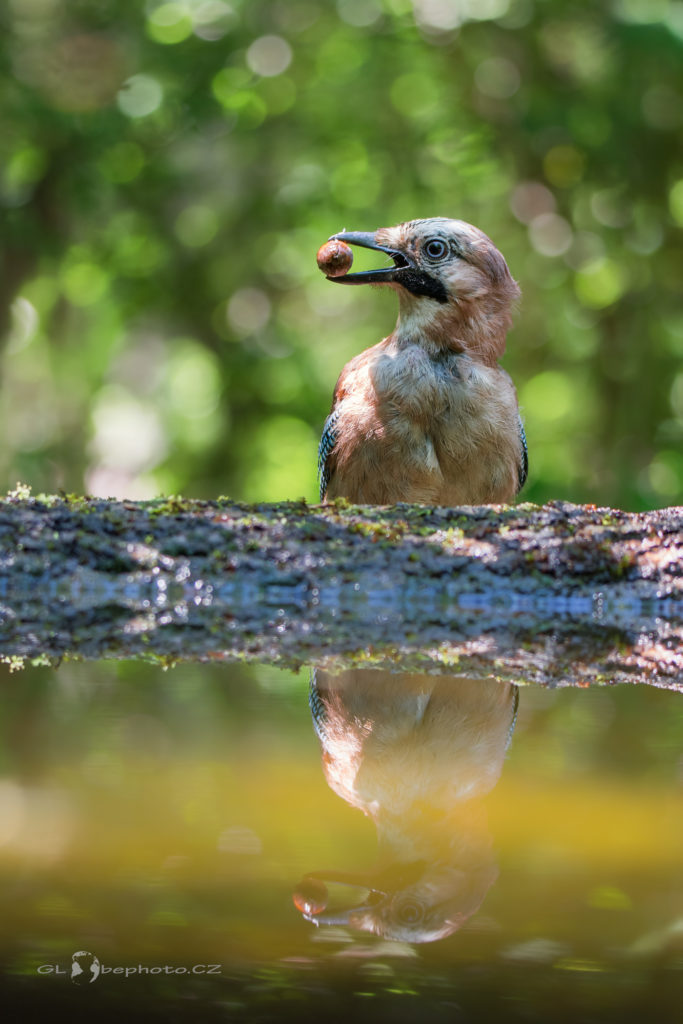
x=85, y=968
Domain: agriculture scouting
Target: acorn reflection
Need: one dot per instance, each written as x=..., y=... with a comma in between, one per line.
x=416, y=754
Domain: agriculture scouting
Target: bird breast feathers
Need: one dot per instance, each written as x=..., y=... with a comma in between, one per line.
x=413, y=383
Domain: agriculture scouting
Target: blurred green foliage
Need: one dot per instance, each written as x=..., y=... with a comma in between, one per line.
x=168, y=171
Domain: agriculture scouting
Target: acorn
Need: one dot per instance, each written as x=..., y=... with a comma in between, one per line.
x=335, y=258
x=310, y=896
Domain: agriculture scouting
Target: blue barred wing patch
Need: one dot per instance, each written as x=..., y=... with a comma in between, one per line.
x=515, y=709
x=325, y=448
x=523, y=470
x=317, y=707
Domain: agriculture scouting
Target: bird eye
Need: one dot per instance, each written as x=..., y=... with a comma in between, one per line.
x=436, y=249
x=408, y=911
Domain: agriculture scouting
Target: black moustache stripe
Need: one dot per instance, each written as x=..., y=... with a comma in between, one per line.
x=419, y=283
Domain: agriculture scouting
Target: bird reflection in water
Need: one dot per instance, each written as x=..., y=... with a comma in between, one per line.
x=416, y=754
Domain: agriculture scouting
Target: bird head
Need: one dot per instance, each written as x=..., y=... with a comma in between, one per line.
x=405, y=903
x=454, y=286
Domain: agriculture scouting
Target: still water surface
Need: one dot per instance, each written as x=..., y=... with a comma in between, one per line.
x=403, y=847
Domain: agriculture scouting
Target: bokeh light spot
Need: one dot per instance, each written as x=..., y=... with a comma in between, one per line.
x=642, y=12
x=550, y=234
x=140, y=96
x=123, y=162
x=531, y=199
x=196, y=226
x=415, y=94
x=193, y=379
x=446, y=15
x=665, y=475
x=586, y=248
x=227, y=82
x=128, y=434
x=359, y=13
x=338, y=57
x=676, y=202
x=577, y=47
x=279, y=94
x=84, y=283
x=136, y=255
x=548, y=396
x=485, y=10
x=610, y=208
x=25, y=322
x=247, y=106
x=248, y=311
x=213, y=20
x=26, y=166
x=563, y=166
x=169, y=24
x=600, y=283
x=269, y=56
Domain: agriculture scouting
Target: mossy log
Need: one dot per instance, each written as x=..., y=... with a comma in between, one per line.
x=554, y=594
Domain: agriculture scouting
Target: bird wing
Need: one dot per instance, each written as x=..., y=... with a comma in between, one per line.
x=325, y=451
x=317, y=706
x=523, y=469
x=515, y=709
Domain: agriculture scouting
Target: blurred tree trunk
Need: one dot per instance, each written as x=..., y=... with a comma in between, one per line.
x=555, y=594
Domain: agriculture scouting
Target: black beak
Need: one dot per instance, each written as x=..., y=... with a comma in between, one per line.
x=376, y=888
x=367, y=897
x=366, y=239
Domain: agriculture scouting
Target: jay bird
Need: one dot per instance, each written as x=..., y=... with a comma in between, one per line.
x=428, y=415
x=415, y=753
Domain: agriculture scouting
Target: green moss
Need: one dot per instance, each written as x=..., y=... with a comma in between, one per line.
x=43, y=661
x=172, y=505
x=626, y=562
x=15, y=662
x=452, y=534
x=379, y=531
x=21, y=492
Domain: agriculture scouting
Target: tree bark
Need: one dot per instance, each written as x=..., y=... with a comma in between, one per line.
x=554, y=594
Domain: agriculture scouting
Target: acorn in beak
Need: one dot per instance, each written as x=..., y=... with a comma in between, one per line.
x=367, y=239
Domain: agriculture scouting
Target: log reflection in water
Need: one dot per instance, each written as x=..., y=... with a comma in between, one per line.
x=416, y=753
